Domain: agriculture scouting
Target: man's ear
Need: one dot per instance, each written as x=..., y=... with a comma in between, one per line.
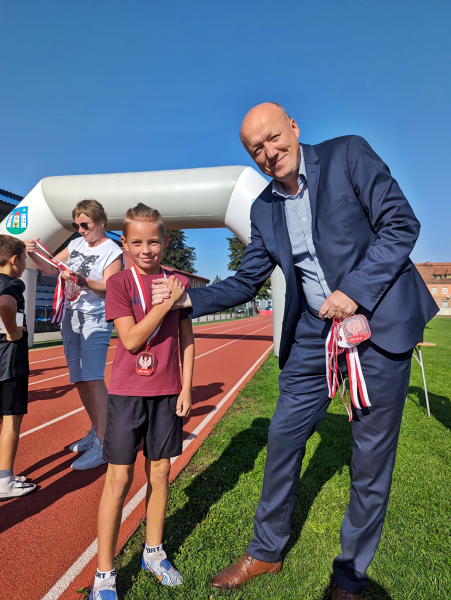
x=165, y=242
x=295, y=128
x=124, y=243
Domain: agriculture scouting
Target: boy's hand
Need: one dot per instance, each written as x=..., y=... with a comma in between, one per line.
x=175, y=288
x=15, y=335
x=183, y=404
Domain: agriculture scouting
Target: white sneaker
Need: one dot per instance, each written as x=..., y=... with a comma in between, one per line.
x=11, y=488
x=84, y=443
x=92, y=458
x=104, y=589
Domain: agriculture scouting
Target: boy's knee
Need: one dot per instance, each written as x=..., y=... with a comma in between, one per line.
x=159, y=470
x=119, y=481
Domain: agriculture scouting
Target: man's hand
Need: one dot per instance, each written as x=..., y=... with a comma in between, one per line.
x=183, y=404
x=338, y=305
x=160, y=293
x=15, y=335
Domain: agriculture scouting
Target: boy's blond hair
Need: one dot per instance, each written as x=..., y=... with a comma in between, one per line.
x=141, y=212
x=10, y=246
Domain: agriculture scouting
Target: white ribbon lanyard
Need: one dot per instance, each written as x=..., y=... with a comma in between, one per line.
x=143, y=298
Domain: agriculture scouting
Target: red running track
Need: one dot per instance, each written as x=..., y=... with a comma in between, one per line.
x=48, y=541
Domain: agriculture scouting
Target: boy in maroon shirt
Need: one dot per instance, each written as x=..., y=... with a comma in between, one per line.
x=146, y=398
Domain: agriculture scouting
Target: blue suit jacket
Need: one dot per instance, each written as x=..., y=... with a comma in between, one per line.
x=363, y=230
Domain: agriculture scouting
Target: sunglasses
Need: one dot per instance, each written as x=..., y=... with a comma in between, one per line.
x=84, y=226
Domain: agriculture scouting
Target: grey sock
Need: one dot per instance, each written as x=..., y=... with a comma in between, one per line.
x=6, y=473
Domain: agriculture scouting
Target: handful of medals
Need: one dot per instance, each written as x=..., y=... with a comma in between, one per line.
x=69, y=289
x=344, y=336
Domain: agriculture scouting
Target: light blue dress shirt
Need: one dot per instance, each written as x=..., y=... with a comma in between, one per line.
x=299, y=222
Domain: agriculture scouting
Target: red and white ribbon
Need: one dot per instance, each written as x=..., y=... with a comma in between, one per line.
x=143, y=298
x=357, y=386
x=58, y=297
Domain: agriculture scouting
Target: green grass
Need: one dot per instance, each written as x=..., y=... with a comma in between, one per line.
x=212, y=502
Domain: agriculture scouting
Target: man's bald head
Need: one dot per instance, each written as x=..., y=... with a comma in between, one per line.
x=262, y=111
x=271, y=137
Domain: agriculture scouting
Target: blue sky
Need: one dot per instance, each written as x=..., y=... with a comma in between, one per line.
x=109, y=86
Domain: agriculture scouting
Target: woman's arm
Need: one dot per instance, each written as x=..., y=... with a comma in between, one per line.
x=186, y=337
x=134, y=335
x=99, y=287
x=45, y=267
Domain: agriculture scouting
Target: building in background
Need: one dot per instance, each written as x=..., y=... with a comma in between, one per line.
x=8, y=201
x=437, y=277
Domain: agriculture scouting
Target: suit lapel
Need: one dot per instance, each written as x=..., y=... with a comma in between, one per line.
x=285, y=252
x=313, y=172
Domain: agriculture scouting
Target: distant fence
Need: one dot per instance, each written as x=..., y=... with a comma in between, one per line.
x=226, y=314
x=444, y=312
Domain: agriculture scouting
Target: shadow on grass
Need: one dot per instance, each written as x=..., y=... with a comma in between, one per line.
x=440, y=405
x=207, y=488
x=373, y=591
x=332, y=454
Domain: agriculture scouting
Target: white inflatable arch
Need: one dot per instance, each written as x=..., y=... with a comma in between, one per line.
x=187, y=199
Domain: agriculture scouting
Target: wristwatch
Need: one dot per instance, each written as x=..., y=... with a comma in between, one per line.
x=81, y=281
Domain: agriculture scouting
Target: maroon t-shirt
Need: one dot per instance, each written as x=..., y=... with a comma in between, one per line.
x=122, y=300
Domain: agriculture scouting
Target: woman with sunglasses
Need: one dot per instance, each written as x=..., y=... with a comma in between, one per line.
x=92, y=258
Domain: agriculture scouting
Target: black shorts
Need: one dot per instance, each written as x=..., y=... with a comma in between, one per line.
x=133, y=418
x=14, y=396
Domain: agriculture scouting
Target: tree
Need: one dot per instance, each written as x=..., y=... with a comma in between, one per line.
x=178, y=255
x=265, y=291
x=236, y=253
x=217, y=279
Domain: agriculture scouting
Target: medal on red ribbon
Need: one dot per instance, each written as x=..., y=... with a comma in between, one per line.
x=146, y=361
x=344, y=336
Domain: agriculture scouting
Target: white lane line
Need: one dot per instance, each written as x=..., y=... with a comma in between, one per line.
x=246, y=322
x=51, y=422
x=111, y=347
x=204, y=337
x=57, y=357
x=109, y=363
x=69, y=576
x=232, y=342
x=56, y=376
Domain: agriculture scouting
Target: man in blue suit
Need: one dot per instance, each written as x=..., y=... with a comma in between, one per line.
x=336, y=222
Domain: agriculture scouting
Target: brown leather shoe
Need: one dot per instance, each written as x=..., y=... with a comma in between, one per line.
x=341, y=594
x=243, y=571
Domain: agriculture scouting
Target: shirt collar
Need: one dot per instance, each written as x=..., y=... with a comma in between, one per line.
x=278, y=188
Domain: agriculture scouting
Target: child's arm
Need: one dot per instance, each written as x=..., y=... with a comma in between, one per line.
x=186, y=336
x=134, y=335
x=8, y=311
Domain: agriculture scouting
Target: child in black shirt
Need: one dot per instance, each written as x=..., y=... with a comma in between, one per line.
x=14, y=368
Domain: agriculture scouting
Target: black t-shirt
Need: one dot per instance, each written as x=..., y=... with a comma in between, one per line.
x=13, y=355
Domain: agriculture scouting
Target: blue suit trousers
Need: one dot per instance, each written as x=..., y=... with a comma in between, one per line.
x=302, y=404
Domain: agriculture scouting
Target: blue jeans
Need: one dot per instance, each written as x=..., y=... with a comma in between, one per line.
x=86, y=340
